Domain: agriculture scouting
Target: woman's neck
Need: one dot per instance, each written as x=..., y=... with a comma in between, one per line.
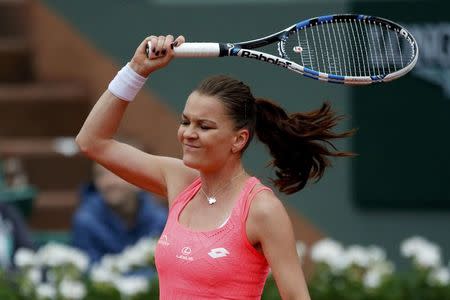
x=222, y=179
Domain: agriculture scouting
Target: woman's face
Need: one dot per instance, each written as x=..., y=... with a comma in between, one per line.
x=206, y=133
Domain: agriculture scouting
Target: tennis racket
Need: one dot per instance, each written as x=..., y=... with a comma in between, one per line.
x=348, y=48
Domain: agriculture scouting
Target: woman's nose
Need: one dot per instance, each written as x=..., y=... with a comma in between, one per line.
x=190, y=132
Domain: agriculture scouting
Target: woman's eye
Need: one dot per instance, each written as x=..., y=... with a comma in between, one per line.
x=184, y=122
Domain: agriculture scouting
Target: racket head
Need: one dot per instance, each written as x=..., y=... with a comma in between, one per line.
x=349, y=48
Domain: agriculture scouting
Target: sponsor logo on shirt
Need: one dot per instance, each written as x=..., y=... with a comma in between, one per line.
x=185, y=254
x=163, y=240
x=218, y=252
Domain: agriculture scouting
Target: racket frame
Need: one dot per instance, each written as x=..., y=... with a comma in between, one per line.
x=245, y=49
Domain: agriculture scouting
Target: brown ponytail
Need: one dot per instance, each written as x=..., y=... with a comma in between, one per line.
x=299, y=143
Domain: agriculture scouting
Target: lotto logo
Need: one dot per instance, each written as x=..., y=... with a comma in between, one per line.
x=218, y=252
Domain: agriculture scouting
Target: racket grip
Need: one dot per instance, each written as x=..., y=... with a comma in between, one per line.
x=193, y=50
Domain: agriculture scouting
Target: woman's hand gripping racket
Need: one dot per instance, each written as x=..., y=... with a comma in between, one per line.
x=349, y=49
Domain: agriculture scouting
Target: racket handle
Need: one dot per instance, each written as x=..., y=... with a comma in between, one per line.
x=193, y=50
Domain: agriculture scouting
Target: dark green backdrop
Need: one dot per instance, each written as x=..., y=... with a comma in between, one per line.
x=403, y=137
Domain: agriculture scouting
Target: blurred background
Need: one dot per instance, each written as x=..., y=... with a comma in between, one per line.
x=57, y=57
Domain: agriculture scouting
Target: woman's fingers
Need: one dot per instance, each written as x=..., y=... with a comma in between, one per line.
x=154, y=52
x=178, y=41
x=160, y=46
x=168, y=41
x=150, y=46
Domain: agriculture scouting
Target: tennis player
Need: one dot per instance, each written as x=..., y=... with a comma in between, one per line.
x=225, y=229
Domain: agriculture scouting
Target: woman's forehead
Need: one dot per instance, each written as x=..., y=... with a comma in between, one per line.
x=204, y=106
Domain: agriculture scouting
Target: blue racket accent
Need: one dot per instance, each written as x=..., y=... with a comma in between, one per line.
x=234, y=51
x=312, y=72
x=325, y=18
x=310, y=76
x=377, y=77
x=303, y=24
x=336, y=77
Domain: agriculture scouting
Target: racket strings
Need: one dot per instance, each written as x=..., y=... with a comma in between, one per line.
x=349, y=47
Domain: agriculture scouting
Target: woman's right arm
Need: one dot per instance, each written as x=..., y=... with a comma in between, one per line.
x=164, y=176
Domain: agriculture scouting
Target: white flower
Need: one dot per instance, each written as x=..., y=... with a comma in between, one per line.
x=356, y=255
x=123, y=263
x=108, y=262
x=411, y=246
x=374, y=275
x=429, y=258
x=132, y=285
x=78, y=259
x=375, y=254
x=328, y=251
x=46, y=291
x=24, y=258
x=34, y=275
x=55, y=255
x=147, y=245
x=439, y=276
x=424, y=253
x=73, y=290
x=372, y=279
x=51, y=255
x=101, y=274
x=138, y=255
x=363, y=256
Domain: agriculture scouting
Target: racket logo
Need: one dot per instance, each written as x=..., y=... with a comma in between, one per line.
x=404, y=33
x=262, y=57
x=407, y=37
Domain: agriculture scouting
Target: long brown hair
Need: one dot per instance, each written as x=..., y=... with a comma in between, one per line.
x=300, y=143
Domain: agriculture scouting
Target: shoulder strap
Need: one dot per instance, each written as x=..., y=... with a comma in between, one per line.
x=256, y=188
x=187, y=193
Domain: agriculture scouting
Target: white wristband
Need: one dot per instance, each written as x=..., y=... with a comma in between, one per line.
x=126, y=84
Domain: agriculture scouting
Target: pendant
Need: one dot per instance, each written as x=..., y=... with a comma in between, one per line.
x=211, y=200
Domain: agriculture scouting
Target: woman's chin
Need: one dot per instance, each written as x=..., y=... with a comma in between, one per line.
x=194, y=164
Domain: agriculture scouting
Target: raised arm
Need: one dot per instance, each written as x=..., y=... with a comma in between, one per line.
x=164, y=176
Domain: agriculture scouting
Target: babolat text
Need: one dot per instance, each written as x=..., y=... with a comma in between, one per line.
x=262, y=57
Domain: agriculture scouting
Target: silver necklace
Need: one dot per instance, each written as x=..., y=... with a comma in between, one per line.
x=212, y=199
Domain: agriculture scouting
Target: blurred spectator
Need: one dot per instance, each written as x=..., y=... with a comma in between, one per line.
x=13, y=174
x=14, y=234
x=114, y=214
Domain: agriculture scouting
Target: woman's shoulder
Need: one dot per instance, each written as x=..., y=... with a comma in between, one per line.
x=178, y=176
x=265, y=215
x=182, y=184
x=265, y=208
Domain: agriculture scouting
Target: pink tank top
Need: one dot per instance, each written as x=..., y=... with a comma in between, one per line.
x=216, y=264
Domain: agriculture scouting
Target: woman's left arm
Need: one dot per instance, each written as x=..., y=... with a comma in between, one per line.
x=269, y=225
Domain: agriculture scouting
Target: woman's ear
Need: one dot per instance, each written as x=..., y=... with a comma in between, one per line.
x=240, y=140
